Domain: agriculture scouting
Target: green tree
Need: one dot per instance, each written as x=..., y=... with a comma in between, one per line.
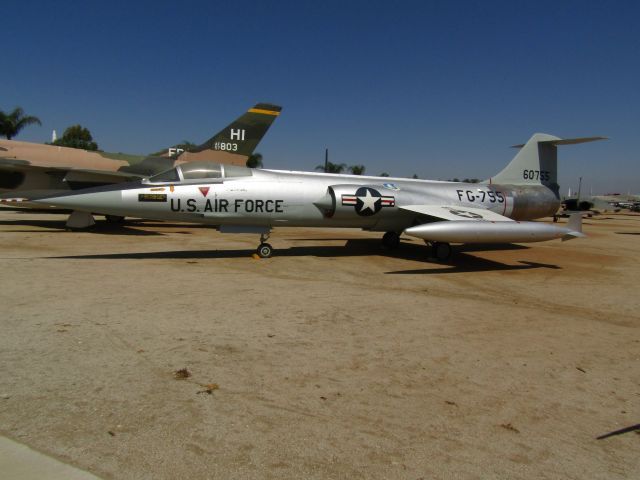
x=332, y=167
x=384, y=174
x=471, y=180
x=11, y=123
x=415, y=175
x=357, y=169
x=254, y=160
x=77, y=136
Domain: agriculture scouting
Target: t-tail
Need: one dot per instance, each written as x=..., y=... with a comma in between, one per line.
x=243, y=134
x=537, y=162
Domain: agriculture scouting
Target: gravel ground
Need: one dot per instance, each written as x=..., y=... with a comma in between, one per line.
x=334, y=359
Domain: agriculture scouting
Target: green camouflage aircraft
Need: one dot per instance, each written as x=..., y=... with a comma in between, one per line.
x=30, y=169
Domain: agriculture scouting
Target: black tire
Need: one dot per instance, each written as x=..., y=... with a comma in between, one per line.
x=391, y=240
x=441, y=251
x=114, y=219
x=264, y=250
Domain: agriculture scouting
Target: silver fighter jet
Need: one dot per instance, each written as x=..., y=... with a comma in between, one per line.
x=241, y=200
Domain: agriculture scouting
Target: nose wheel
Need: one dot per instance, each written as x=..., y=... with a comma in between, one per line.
x=264, y=250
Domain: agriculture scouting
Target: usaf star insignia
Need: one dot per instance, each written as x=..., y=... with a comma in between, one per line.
x=368, y=201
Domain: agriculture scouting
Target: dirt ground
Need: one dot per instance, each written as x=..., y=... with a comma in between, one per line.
x=334, y=359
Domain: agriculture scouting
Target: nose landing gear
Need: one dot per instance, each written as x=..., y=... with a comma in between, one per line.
x=264, y=250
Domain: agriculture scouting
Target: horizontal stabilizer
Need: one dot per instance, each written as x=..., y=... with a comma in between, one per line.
x=454, y=213
x=536, y=163
x=567, y=141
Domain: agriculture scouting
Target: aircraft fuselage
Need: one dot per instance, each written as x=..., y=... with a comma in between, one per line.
x=280, y=198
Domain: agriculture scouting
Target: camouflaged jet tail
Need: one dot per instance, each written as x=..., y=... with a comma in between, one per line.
x=243, y=135
x=537, y=161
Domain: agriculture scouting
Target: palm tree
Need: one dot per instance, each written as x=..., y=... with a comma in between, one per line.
x=332, y=167
x=12, y=123
x=254, y=160
x=357, y=169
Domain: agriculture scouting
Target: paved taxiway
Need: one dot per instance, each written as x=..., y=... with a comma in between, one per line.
x=334, y=359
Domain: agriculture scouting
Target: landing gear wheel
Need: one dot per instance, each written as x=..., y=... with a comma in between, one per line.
x=265, y=250
x=441, y=251
x=391, y=240
x=114, y=219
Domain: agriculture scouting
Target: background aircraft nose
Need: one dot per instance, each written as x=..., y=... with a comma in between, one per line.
x=85, y=201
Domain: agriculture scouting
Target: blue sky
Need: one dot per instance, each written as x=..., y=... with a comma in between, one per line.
x=440, y=89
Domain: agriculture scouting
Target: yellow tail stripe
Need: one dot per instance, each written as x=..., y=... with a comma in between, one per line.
x=266, y=112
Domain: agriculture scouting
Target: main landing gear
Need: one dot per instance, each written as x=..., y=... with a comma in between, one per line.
x=391, y=240
x=441, y=251
x=264, y=250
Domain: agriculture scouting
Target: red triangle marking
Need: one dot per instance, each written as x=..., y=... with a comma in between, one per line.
x=204, y=190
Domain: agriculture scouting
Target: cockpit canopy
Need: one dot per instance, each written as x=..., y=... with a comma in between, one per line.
x=199, y=172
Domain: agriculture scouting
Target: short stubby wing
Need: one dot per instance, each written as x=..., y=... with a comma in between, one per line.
x=445, y=212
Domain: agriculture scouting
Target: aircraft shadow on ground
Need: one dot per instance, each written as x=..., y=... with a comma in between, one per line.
x=352, y=248
x=467, y=264
x=475, y=247
x=53, y=226
x=460, y=262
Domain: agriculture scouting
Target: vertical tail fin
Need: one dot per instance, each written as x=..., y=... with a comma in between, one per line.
x=537, y=161
x=243, y=134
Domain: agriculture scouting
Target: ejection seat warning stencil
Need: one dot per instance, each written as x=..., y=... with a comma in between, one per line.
x=152, y=197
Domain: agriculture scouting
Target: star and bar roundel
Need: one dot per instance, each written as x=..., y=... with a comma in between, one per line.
x=368, y=201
